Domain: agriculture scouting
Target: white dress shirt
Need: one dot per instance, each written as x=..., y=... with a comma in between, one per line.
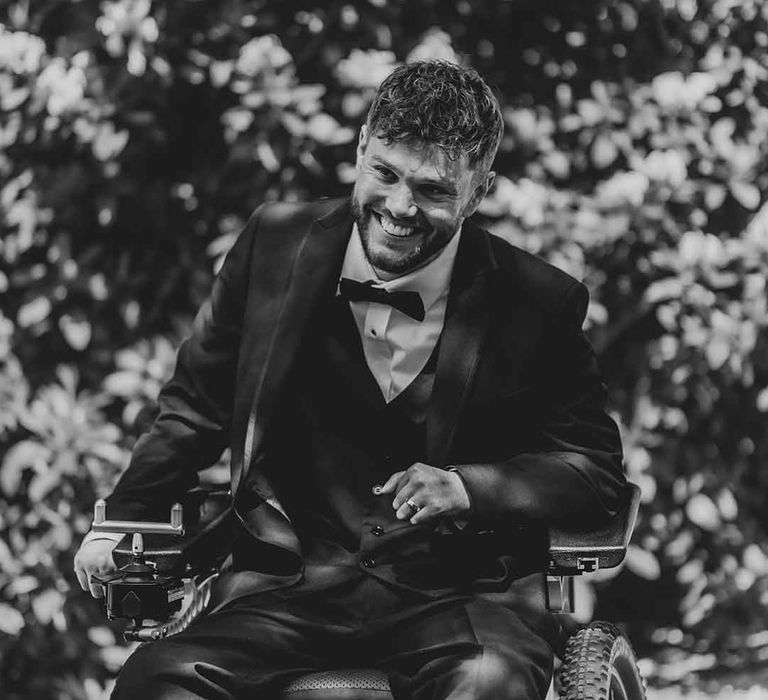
x=397, y=346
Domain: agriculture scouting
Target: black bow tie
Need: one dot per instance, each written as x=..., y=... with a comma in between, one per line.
x=408, y=302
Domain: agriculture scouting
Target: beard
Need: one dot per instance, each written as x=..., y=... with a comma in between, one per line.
x=397, y=263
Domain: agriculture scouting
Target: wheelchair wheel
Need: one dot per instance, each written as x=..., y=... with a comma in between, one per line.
x=599, y=664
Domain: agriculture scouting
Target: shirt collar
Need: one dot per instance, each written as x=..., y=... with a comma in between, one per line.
x=431, y=281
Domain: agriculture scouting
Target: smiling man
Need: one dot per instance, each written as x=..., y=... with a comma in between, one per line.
x=410, y=201
x=410, y=404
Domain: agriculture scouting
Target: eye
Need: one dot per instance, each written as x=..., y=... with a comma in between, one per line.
x=434, y=191
x=384, y=173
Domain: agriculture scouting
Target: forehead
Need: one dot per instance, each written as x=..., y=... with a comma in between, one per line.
x=418, y=160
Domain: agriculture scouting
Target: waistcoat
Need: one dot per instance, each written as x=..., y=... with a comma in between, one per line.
x=332, y=440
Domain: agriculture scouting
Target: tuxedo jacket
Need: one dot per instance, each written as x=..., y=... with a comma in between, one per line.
x=517, y=406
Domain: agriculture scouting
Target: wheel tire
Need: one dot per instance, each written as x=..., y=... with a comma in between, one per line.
x=599, y=664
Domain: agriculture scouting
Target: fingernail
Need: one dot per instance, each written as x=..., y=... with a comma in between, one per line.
x=377, y=490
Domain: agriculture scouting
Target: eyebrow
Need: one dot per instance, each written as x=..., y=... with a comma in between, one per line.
x=447, y=186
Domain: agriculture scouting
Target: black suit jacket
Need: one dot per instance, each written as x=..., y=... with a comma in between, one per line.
x=518, y=406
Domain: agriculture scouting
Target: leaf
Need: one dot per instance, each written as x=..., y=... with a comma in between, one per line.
x=746, y=194
x=237, y=119
x=663, y=290
x=101, y=636
x=680, y=547
x=33, y=312
x=77, y=332
x=762, y=400
x=557, y=163
x=717, y=351
x=109, y=144
x=114, y=658
x=591, y=112
x=690, y=571
x=267, y=157
x=108, y=452
x=324, y=129
x=221, y=72
x=47, y=604
x=13, y=99
x=8, y=563
x=123, y=383
x=11, y=620
x=714, y=196
x=42, y=484
x=26, y=454
x=68, y=376
x=221, y=244
x=603, y=151
x=130, y=360
x=702, y=511
x=727, y=505
x=23, y=585
x=643, y=563
x=294, y=125
x=755, y=559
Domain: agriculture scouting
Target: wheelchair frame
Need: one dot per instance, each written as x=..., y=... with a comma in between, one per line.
x=598, y=662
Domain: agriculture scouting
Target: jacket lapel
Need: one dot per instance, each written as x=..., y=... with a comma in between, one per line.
x=306, y=270
x=462, y=341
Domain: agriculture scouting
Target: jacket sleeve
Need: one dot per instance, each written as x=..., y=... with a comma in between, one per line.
x=571, y=474
x=195, y=407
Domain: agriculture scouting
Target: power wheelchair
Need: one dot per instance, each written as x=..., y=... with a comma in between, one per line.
x=166, y=570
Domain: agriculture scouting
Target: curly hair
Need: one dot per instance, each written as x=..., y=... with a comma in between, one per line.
x=442, y=104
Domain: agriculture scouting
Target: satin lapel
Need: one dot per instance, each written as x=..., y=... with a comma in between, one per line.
x=280, y=316
x=462, y=341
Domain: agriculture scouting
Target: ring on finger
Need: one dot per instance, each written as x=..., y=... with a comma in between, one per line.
x=412, y=504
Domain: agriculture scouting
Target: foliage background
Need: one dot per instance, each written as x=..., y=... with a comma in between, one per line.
x=136, y=137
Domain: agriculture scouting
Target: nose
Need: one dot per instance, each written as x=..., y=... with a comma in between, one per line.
x=400, y=203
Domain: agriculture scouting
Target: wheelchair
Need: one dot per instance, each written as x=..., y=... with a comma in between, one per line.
x=164, y=583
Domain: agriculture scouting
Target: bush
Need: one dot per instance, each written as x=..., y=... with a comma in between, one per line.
x=137, y=137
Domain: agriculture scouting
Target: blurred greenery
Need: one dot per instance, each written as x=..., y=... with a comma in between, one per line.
x=136, y=137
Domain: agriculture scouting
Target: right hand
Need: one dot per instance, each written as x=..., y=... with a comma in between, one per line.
x=94, y=557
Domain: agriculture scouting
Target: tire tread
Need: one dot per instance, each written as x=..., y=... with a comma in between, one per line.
x=589, y=657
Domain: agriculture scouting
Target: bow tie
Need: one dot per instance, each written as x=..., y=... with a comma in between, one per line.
x=408, y=302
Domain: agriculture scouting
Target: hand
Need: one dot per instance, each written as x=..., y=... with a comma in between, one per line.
x=438, y=492
x=94, y=557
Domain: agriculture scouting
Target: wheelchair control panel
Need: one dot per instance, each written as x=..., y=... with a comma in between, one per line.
x=166, y=569
x=136, y=591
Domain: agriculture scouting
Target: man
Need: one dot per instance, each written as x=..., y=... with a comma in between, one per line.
x=409, y=402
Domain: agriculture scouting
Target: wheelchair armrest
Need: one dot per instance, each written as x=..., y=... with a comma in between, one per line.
x=205, y=544
x=572, y=553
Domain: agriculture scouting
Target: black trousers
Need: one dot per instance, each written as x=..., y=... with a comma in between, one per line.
x=459, y=647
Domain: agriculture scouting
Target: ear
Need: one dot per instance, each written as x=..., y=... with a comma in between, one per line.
x=478, y=194
x=362, y=143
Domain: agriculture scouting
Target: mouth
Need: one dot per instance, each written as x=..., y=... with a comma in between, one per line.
x=394, y=228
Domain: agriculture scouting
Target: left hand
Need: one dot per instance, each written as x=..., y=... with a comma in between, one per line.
x=437, y=492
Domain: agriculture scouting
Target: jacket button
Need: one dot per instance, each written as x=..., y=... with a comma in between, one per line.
x=369, y=562
x=377, y=530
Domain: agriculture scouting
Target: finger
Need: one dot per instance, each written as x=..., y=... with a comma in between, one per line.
x=390, y=485
x=82, y=577
x=423, y=515
x=406, y=490
x=97, y=590
x=403, y=509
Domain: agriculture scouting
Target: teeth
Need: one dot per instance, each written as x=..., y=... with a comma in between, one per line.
x=394, y=229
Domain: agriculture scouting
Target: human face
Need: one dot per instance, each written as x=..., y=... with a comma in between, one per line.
x=409, y=201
